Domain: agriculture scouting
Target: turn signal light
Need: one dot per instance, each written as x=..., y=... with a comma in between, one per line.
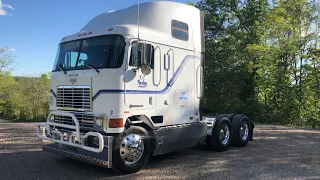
x=116, y=123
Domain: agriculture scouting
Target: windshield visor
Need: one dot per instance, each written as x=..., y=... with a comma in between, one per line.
x=96, y=52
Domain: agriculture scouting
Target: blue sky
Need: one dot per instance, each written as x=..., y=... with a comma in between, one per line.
x=33, y=28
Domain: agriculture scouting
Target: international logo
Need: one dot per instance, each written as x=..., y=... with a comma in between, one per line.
x=73, y=81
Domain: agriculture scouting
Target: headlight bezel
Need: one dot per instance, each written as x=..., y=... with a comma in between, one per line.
x=99, y=122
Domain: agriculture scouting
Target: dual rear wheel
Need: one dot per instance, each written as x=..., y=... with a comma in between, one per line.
x=228, y=132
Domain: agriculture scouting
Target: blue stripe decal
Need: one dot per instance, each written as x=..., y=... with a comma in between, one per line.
x=164, y=90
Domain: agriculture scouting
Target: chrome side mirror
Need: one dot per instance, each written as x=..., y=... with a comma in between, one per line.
x=144, y=56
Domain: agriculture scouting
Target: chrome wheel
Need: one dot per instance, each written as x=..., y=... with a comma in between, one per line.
x=224, y=134
x=244, y=130
x=131, y=148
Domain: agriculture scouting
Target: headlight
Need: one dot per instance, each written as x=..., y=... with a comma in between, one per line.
x=98, y=121
x=52, y=118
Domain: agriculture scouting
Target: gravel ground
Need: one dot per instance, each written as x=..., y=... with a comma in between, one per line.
x=276, y=153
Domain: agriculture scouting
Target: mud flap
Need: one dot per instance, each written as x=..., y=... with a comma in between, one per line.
x=251, y=130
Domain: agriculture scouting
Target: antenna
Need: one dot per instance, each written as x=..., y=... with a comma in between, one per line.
x=138, y=19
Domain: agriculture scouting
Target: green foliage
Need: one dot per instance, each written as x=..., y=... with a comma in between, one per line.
x=262, y=59
x=22, y=98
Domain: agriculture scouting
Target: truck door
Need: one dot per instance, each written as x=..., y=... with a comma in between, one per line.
x=139, y=88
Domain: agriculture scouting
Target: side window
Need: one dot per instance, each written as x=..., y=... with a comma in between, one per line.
x=180, y=30
x=136, y=56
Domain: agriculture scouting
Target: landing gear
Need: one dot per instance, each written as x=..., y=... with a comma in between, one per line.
x=132, y=150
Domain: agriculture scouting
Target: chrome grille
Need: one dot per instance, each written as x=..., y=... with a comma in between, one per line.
x=85, y=120
x=74, y=98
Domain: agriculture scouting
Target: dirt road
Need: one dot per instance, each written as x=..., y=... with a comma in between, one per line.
x=276, y=153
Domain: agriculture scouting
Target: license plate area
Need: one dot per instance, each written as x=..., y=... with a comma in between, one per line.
x=71, y=149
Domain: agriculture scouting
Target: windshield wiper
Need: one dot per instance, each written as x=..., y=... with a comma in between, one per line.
x=61, y=69
x=93, y=68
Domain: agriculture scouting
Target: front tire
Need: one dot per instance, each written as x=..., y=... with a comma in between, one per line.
x=132, y=150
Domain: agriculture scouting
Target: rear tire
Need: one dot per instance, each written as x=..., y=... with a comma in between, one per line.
x=241, y=130
x=221, y=134
x=132, y=150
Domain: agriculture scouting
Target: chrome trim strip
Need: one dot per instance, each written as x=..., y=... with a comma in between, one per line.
x=73, y=86
x=203, y=41
x=110, y=142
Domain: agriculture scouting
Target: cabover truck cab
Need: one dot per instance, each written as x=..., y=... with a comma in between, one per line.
x=129, y=85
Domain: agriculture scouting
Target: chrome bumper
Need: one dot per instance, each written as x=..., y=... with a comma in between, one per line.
x=74, y=138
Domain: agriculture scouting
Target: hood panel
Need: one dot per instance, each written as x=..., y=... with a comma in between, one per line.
x=103, y=87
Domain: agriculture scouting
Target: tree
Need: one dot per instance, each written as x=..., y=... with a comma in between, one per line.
x=262, y=59
x=6, y=59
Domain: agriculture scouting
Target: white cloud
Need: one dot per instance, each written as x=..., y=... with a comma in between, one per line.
x=2, y=12
x=9, y=7
x=4, y=7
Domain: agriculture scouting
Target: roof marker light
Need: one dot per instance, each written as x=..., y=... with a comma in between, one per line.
x=79, y=34
x=110, y=29
x=84, y=34
x=90, y=33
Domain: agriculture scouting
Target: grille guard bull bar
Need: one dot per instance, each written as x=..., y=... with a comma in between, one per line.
x=80, y=139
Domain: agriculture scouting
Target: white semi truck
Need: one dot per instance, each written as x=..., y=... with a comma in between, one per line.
x=129, y=85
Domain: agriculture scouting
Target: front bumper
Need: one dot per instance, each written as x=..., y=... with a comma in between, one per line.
x=73, y=143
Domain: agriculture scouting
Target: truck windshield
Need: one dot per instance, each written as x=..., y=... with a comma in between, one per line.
x=96, y=52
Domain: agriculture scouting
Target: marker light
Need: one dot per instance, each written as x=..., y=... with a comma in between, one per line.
x=116, y=123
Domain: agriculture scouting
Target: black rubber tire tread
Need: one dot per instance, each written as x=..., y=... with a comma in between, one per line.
x=236, y=139
x=118, y=164
x=213, y=141
x=230, y=116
